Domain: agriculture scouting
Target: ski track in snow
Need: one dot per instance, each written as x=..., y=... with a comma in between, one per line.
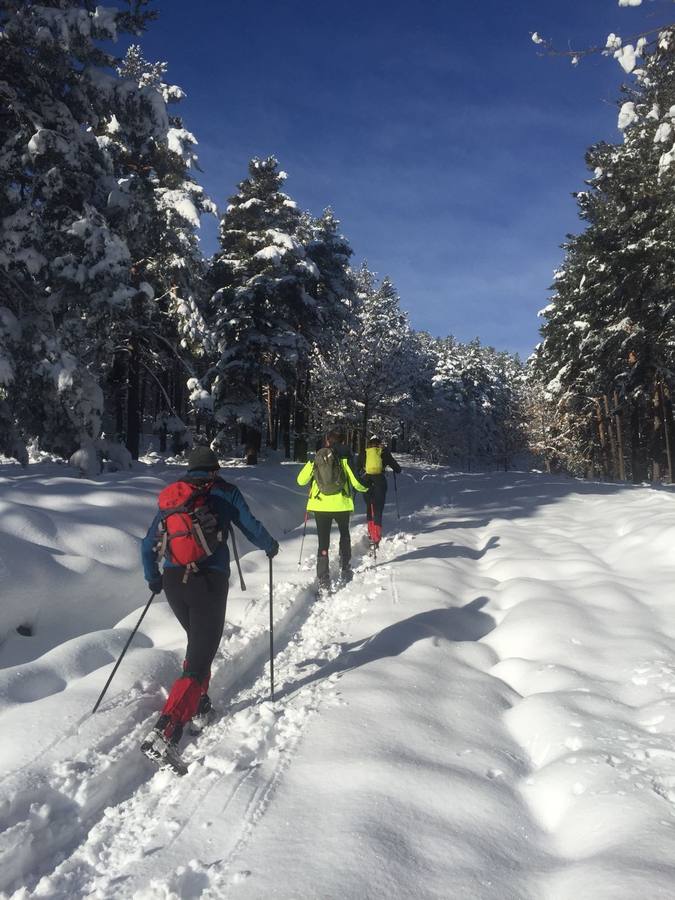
x=251, y=744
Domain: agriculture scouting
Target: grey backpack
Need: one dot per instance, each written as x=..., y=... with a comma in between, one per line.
x=328, y=472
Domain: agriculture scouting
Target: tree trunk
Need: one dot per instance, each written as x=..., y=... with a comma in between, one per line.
x=118, y=383
x=638, y=469
x=619, y=441
x=284, y=423
x=616, y=462
x=133, y=401
x=364, y=423
x=603, y=440
x=666, y=415
x=178, y=392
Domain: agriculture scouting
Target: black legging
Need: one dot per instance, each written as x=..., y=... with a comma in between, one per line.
x=199, y=604
x=324, y=521
x=376, y=497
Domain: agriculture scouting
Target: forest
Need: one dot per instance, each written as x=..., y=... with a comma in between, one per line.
x=118, y=335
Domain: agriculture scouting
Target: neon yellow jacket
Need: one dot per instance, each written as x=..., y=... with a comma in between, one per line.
x=342, y=502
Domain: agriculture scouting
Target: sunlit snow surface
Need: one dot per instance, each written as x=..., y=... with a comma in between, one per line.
x=486, y=712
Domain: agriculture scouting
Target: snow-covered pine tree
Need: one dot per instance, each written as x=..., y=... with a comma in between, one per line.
x=609, y=333
x=366, y=373
x=415, y=412
x=508, y=378
x=157, y=205
x=474, y=414
x=459, y=378
x=335, y=294
x=64, y=272
x=335, y=290
x=264, y=310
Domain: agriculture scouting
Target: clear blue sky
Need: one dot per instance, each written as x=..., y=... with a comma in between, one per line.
x=445, y=145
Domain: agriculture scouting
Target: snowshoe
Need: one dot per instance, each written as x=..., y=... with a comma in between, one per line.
x=203, y=717
x=163, y=750
x=346, y=574
x=372, y=550
x=324, y=588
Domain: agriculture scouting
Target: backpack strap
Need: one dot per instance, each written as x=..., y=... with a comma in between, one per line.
x=200, y=537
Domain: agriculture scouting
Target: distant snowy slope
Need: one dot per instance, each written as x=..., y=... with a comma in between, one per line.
x=487, y=712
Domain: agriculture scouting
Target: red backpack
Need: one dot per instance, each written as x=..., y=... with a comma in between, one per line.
x=188, y=530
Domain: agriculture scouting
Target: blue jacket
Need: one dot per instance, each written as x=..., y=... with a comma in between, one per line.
x=226, y=501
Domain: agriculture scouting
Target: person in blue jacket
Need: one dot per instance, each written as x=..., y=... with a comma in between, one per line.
x=198, y=599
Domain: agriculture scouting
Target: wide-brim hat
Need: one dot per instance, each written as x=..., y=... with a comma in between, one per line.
x=203, y=458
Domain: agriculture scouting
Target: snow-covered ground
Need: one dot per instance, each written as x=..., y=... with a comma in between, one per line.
x=486, y=712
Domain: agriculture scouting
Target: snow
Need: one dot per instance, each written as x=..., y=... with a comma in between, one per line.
x=312, y=269
x=666, y=160
x=179, y=141
x=487, y=712
x=281, y=239
x=86, y=461
x=627, y=57
x=44, y=141
x=664, y=133
x=182, y=202
x=627, y=115
x=105, y=21
x=6, y=370
x=271, y=254
x=9, y=324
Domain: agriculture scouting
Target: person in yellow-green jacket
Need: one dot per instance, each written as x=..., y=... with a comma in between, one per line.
x=330, y=498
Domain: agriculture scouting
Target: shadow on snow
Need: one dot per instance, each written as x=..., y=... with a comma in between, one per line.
x=465, y=623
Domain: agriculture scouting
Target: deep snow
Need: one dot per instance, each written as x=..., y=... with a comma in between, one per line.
x=486, y=712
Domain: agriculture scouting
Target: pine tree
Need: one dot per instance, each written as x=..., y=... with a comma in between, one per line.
x=366, y=373
x=157, y=204
x=64, y=271
x=265, y=312
x=474, y=415
x=609, y=332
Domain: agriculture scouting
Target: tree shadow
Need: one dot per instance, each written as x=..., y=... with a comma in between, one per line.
x=445, y=550
x=456, y=523
x=480, y=497
x=455, y=624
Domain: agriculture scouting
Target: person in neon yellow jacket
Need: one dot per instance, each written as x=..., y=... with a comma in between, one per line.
x=330, y=498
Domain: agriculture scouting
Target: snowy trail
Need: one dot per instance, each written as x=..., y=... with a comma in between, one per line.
x=252, y=744
x=486, y=712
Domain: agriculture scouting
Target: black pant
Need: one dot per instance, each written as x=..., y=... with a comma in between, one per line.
x=376, y=497
x=324, y=520
x=199, y=604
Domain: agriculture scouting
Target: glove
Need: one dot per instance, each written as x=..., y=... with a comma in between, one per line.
x=156, y=585
x=274, y=549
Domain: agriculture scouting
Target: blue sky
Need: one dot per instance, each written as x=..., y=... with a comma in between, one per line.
x=445, y=145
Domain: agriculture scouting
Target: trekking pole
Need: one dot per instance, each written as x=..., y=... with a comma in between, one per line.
x=302, y=542
x=396, y=495
x=236, y=559
x=126, y=647
x=271, y=634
